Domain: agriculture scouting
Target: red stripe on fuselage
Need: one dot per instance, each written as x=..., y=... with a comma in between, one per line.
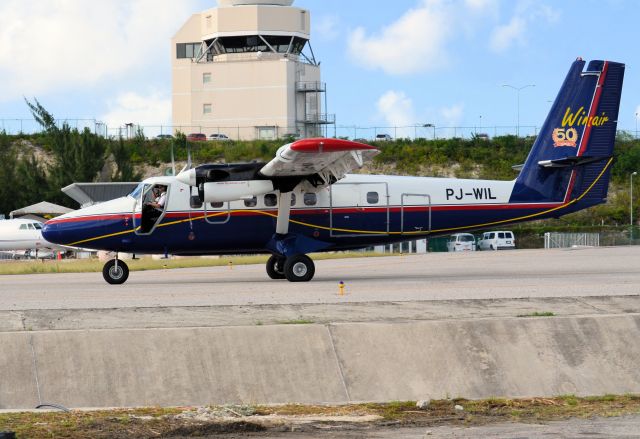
x=318, y=211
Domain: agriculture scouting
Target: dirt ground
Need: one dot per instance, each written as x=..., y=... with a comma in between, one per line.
x=568, y=416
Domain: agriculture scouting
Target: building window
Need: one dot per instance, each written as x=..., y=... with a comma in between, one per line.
x=372, y=198
x=293, y=199
x=266, y=133
x=310, y=199
x=187, y=50
x=251, y=202
x=270, y=200
x=216, y=205
x=206, y=109
x=206, y=78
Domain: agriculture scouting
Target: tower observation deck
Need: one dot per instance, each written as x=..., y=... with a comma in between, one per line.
x=246, y=69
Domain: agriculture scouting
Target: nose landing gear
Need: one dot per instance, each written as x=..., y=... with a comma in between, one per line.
x=115, y=272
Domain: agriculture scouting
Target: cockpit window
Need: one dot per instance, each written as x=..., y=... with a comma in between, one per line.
x=23, y=227
x=31, y=227
x=136, y=192
x=38, y=226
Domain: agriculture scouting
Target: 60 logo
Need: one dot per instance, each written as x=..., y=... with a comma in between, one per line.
x=565, y=137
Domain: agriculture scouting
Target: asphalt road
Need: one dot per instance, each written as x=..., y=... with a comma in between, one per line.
x=436, y=276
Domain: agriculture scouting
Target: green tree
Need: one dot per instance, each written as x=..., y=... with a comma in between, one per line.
x=8, y=158
x=77, y=156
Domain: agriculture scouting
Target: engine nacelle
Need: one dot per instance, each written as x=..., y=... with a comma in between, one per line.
x=223, y=191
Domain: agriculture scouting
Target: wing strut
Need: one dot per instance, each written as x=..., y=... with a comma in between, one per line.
x=284, y=213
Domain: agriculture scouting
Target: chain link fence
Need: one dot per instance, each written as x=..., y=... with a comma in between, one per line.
x=275, y=131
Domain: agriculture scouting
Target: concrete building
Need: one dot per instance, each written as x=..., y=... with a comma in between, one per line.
x=246, y=69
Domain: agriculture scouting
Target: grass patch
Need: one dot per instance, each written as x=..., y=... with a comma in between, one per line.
x=145, y=264
x=538, y=314
x=163, y=422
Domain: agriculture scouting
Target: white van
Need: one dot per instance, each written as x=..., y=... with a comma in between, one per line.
x=502, y=240
x=461, y=242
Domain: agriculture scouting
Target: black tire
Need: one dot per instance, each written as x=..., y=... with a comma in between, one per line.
x=299, y=268
x=275, y=267
x=113, y=275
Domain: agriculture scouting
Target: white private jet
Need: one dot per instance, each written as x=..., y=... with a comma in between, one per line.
x=23, y=235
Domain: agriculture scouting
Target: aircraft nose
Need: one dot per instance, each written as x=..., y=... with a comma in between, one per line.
x=52, y=233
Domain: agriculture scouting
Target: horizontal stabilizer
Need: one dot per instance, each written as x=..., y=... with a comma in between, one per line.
x=568, y=162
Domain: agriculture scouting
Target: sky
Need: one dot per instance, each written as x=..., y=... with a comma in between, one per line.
x=395, y=63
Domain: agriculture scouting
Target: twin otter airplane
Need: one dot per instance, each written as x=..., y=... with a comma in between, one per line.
x=305, y=201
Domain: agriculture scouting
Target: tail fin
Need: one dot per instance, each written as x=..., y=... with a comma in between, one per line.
x=572, y=155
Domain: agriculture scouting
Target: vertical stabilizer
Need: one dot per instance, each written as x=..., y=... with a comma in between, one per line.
x=571, y=157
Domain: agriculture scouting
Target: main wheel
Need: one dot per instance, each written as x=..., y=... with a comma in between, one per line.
x=275, y=267
x=299, y=268
x=115, y=274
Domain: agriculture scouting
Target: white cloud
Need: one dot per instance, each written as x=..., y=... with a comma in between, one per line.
x=153, y=109
x=52, y=45
x=396, y=108
x=326, y=28
x=506, y=35
x=414, y=43
x=514, y=32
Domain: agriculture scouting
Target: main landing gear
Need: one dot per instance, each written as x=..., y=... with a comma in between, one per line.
x=115, y=272
x=298, y=268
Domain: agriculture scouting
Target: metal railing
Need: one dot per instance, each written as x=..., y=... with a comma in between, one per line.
x=569, y=240
x=421, y=131
x=311, y=86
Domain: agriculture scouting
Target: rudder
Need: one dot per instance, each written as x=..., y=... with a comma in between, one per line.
x=571, y=157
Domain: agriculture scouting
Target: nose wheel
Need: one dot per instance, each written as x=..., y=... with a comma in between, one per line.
x=115, y=272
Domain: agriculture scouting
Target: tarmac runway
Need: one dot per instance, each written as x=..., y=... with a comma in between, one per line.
x=609, y=271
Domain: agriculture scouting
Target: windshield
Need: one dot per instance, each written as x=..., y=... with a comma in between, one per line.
x=136, y=192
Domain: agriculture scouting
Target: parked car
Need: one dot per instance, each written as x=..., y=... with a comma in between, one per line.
x=219, y=137
x=197, y=137
x=383, y=137
x=164, y=136
x=461, y=242
x=501, y=240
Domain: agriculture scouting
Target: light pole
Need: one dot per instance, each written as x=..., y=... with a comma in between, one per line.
x=631, y=207
x=637, y=125
x=518, y=89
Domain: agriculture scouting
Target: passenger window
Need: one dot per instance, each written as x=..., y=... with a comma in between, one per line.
x=500, y=235
x=252, y=202
x=217, y=205
x=372, y=198
x=310, y=199
x=293, y=199
x=509, y=235
x=270, y=200
x=492, y=235
x=195, y=202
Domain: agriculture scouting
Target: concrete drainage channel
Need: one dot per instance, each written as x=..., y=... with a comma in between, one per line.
x=488, y=356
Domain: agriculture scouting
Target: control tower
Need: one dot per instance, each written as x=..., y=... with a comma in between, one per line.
x=246, y=69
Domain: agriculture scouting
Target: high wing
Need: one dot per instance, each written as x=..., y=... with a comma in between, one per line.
x=322, y=161
x=319, y=162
